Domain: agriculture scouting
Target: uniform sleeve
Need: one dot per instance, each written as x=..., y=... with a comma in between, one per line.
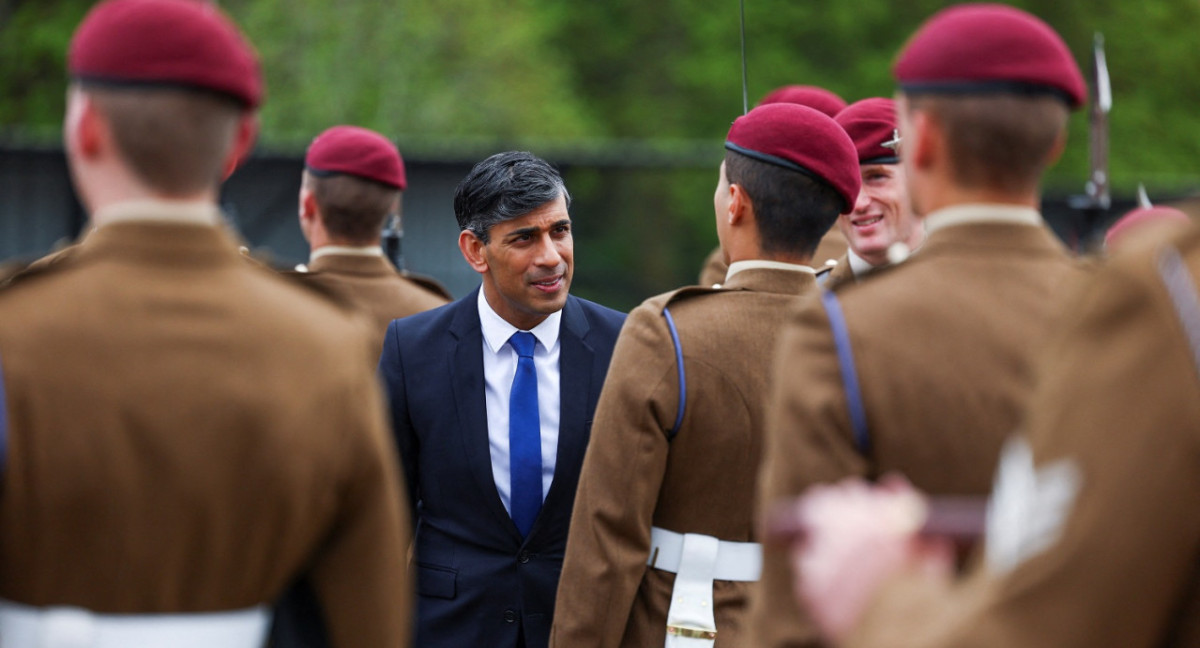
x=807, y=441
x=609, y=538
x=360, y=573
x=1118, y=400
x=391, y=372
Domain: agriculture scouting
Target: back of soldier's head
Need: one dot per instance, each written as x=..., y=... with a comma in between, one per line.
x=999, y=83
x=799, y=170
x=356, y=177
x=172, y=80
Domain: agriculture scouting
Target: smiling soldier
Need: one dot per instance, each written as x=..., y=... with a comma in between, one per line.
x=882, y=222
x=492, y=399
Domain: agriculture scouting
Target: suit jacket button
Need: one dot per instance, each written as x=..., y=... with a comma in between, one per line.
x=510, y=616
x=524, y=557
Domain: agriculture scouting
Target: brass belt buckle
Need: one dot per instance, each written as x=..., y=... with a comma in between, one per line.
x=691, y=633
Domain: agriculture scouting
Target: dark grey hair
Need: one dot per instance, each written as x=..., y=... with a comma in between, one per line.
x=503, y=187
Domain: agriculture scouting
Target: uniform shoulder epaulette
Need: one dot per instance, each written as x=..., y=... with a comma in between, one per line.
x=261, y=258
x=10, y=269
x=428, y=283
x=690, y=292
x=304, y=280
x=18, y=272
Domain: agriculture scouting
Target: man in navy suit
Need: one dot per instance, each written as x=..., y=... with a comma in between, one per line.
x=492, y=399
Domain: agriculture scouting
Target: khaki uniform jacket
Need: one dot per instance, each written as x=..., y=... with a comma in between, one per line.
x=188, y=432
x=840, y=275
x=943, y=345
x=713, y=271
x=1118, y=398
x=372, y=284
x=702, y=481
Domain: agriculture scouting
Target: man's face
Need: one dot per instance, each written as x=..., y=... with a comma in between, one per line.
x=881, y=215
x=527, y=264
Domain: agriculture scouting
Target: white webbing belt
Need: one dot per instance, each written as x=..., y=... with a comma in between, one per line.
x=22, y=626
x=697, y=560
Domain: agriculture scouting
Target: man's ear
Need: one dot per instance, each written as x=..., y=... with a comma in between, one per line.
x=928, y=141
x=740, y=207
x=472, y=250
x=247, y=133
x=91, y=132
x=1056, y=151
x=308, y=208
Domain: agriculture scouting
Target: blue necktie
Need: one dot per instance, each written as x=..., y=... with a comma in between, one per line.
x=524, y=436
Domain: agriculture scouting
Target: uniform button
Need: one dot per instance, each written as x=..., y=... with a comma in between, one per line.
x=524, y=557
x=510, y=616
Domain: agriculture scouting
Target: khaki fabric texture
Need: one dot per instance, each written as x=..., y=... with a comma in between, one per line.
x=703, y=481
x=189, y=433
x=1119, y=397
x=714, y=269
x=840, y=275
x=372, y=284
x=944, y=346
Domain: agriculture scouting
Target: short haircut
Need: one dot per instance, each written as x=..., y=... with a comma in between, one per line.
x=793, y=210
x=353, y=209
x=503, y=187
x=176, y=140
x=997, y=141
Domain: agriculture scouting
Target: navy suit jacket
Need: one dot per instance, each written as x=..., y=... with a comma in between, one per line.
x=478, y=581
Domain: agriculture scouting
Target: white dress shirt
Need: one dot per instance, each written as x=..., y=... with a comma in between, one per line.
x=858, y=265
x=499, y=368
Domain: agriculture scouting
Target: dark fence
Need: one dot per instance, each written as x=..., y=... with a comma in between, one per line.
x=643, y=222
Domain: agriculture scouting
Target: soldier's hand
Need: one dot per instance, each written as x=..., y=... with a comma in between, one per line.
x=858, y=536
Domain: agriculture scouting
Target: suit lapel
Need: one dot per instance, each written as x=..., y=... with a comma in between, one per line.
x=575, y=391
x=466, y=375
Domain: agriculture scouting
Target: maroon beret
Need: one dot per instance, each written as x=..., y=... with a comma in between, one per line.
x=871, y=125
x=358, y=152
x=165, y=42
x=981, y=48
x=811, y=96
x=1141, y=217
x=801, y=139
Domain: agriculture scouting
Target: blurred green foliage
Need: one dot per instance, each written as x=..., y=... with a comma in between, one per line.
x=463, y=78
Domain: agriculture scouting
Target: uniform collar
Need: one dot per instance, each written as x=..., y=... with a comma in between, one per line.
x=497, y=330
x=739, y=266
x=981, y=213
x=346, y=250
x=159, y=211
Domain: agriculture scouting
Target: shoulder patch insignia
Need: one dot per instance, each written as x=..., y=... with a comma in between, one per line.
x=1029, y=505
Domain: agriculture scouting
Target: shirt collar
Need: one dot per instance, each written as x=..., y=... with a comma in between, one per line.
x=366, y=251
x=981, y=213
x=762, y=264
x=159, y=211
x=858, y=265
x=497, y=330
